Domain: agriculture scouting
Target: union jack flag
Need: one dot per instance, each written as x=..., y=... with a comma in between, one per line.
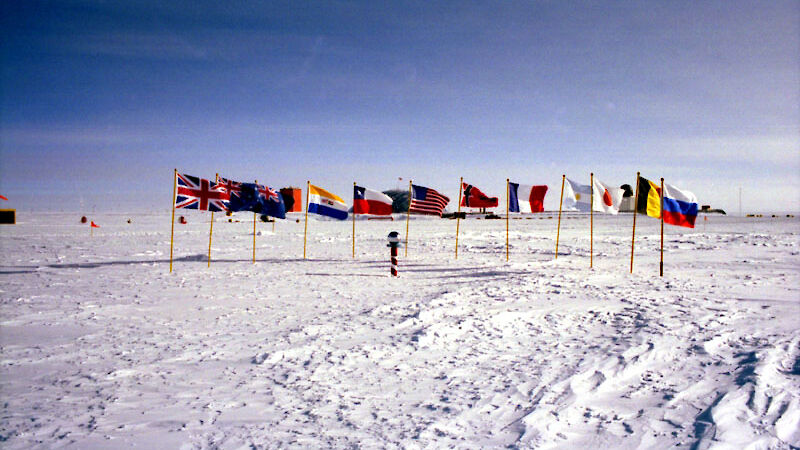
x=271, y=202
x=233, y=188
x=268, y=193
x=197, y=193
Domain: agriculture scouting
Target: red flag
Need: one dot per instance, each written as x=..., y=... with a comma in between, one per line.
x=367, y=201
x=94, y=225
x=473, y=197
x=526, y=198
x=3, y=197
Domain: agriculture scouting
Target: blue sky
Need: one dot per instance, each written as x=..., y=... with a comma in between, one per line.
x=101, y=100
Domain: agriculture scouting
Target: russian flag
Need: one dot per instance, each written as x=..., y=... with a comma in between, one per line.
x=526, y=198
x=367, y=201
x=680, y=207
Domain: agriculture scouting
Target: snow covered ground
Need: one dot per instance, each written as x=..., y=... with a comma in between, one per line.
x=102, y=347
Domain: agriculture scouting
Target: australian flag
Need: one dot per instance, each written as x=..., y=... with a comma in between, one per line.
x=259, y=199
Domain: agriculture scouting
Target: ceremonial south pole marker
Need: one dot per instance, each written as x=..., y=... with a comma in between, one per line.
x=394, y=242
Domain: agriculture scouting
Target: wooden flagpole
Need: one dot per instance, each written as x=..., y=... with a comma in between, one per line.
x=560, y=203
x=211, y=227
x=305, y=231
x=458, y=214
x=172, y=233
x=508, y=203
x=661, y=264
x=254, y=227
x=354, y=219
x=591, y=219
x=635, y=206
x=408, y=213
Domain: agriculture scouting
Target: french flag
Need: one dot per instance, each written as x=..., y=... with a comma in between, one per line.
x=526, y=198
x=367, y=201
x=680, y=207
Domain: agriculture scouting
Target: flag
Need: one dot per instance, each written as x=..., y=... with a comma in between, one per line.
x=3, y=197
x=325, y=203
x=197, y=193
x=427, y=201
x=94, y=225
x=367, y=201
x=606, y=199
x=577, y=195
x=680, y=207
x=526, y=198
x=648, y=198
x=256, y=198
x=233, y=188
x=271, y=202
x=244, y=197
x=472, y=197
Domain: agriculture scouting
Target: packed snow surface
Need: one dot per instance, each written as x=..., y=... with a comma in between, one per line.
x=102, y=347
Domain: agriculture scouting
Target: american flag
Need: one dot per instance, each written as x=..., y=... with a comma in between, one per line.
x=427, y=201
x=197, y=193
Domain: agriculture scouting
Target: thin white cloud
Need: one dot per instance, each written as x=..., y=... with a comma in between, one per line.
x=131, y=44
x=764, y=149
x=80, y=136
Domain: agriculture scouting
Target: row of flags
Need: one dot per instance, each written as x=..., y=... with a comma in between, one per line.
x=227, y=195
x=666, y=202
x=233, y=196
x=679, y=207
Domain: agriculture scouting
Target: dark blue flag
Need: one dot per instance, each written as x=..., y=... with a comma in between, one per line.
x=259, y=199
x=246, y=199
x=271, y=202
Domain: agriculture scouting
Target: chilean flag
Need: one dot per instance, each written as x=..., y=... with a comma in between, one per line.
x=679, y=207
x=367, y=201
x=526, y=198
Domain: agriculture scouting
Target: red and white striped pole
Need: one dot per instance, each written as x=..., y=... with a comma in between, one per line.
x=394, y=243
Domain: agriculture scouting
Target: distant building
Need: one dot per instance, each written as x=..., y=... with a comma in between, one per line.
x=706, y=209
x=292, y=199
x=8, y=216
x=627, y=199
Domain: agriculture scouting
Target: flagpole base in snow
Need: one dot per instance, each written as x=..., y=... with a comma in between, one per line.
x=394, y=243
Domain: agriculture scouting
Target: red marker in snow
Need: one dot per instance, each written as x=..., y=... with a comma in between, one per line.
x=394, y=242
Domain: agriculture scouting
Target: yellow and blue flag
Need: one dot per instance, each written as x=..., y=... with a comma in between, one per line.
x=325, y=203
